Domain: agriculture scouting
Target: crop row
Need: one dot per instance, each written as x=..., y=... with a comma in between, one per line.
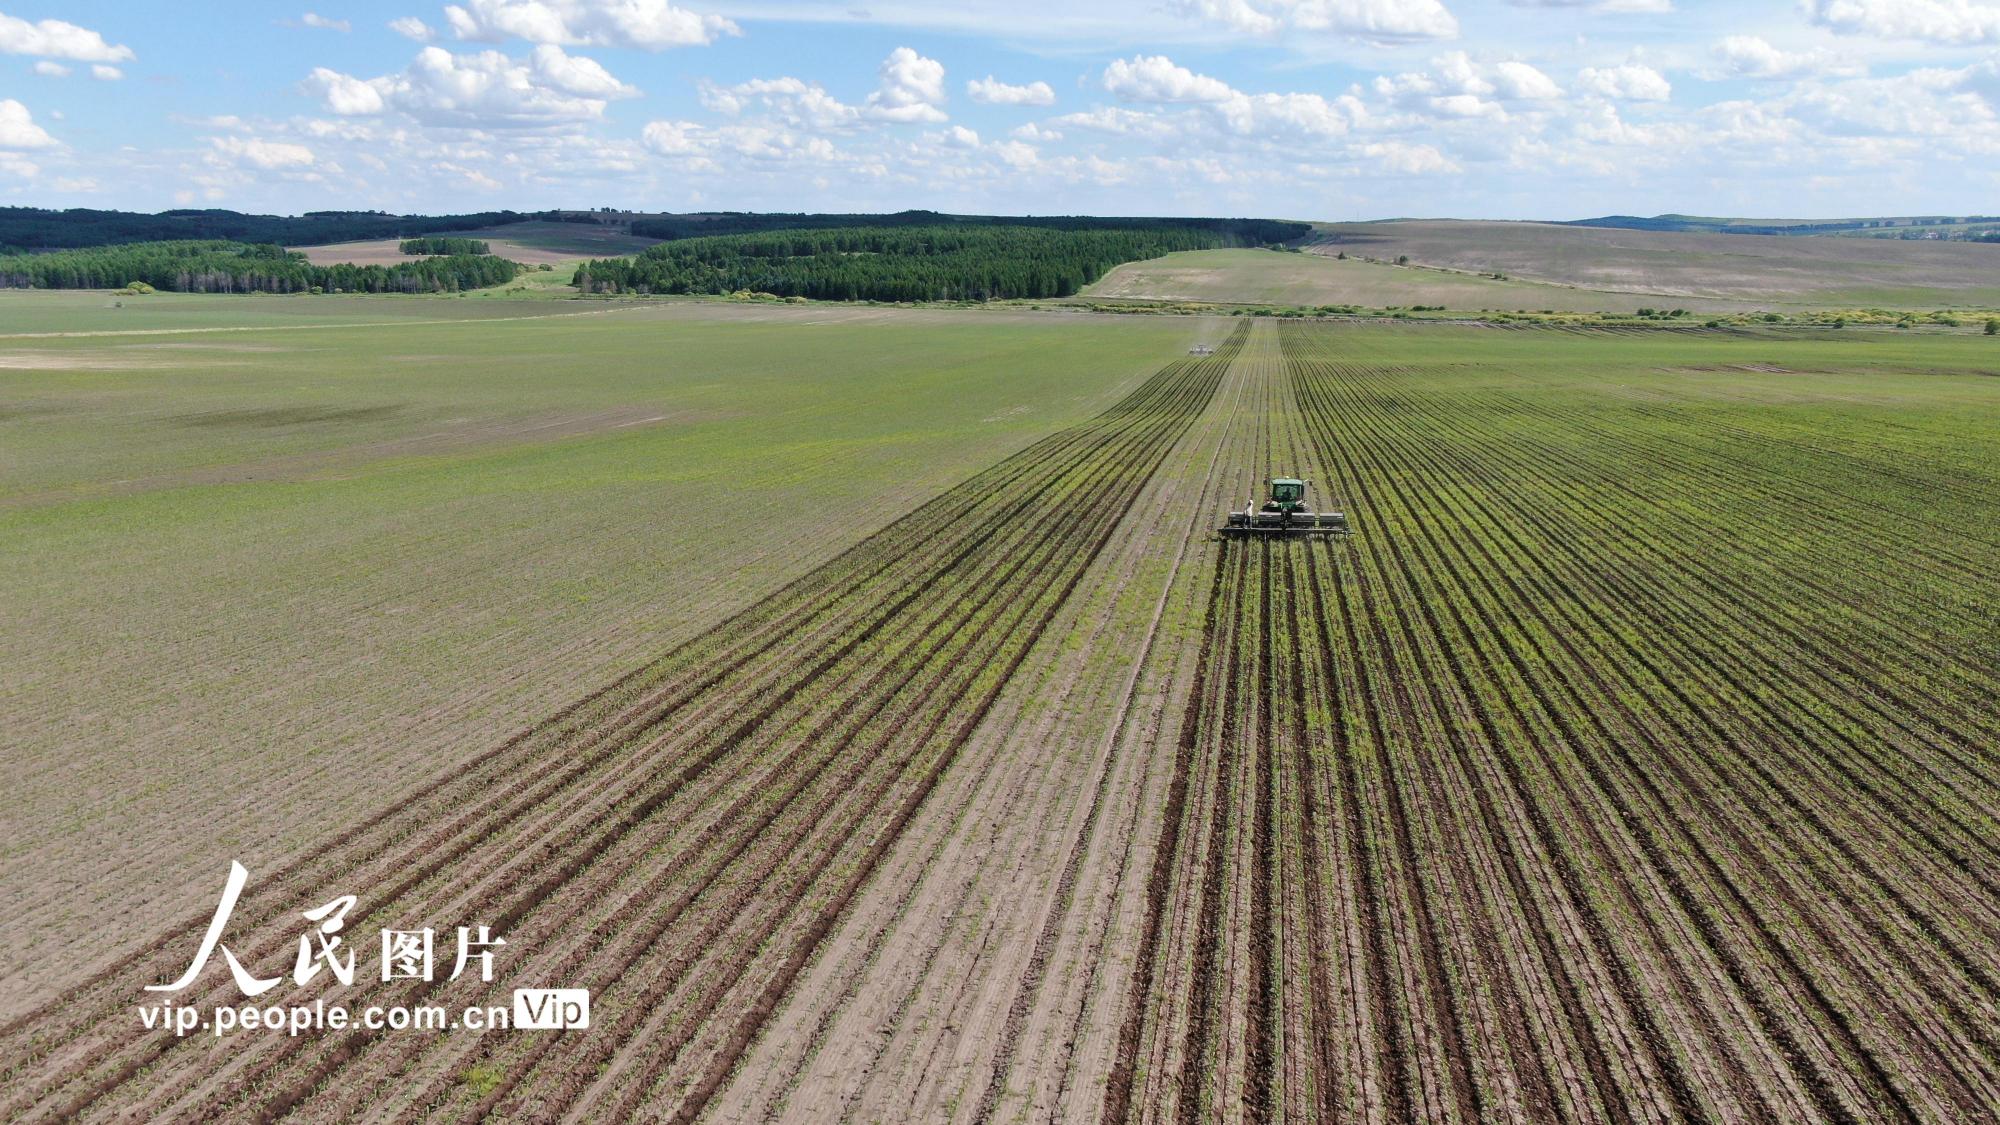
x=1595, y=779
x=680, y=842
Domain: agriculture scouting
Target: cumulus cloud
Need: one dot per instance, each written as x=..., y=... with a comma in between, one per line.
x=958, y=136
x=1117, y=121
x=1284, y=115
x=1365, y=19
x=1157, y=78
x=1632, y=82
x=992, y=91
x=484, y=90
x=345, y=94
x=1018, y=154
x=1937, y=102
x=58, y=40
x=1936, y=21
x=48, y=69
x=1457, y=86
x=18, y=129
x=325, y=23
x=410, y=27
x=912, y=88
x=574, y=74
x=672, y=138
x=651, y=25
x=104, y=73
x=267, y=155
x=1600, y=5
x=1747, y=56
x=794, y=101
x=1406, y=159
x=1521, y=82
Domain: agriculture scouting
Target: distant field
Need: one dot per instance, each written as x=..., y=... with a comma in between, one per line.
x=1264, y=277
x=1761, y=270
x=1634, y=759
x=296, y=568
x=531, y=244
x=47, y=312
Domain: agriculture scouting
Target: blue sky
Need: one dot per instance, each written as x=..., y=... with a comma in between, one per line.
x=1326, y=109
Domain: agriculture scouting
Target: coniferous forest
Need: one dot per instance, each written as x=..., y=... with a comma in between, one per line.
x=437, y=244
x=241, y=267
x=917, y=263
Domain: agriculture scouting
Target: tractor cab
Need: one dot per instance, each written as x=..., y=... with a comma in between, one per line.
x=1283, y=515
x=1287, y=495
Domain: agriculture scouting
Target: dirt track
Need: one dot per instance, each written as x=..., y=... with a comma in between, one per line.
x=1042, y=805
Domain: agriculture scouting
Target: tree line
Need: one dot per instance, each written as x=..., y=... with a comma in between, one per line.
x=896, y=263
x=36, y=228
x=441, y=244
x=1237, y=232
x=215, y=266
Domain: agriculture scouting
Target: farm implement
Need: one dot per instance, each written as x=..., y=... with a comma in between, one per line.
x=1284, y=515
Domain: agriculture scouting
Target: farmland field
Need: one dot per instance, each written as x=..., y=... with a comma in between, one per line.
x=530, y=243
x=1263, y=277
x=1635, y=760
x=369, y=548
x=1770, y=271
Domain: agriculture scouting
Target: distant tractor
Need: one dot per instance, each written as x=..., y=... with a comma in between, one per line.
x=1284, y=515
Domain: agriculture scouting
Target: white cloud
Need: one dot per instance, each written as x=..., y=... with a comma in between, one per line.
x=1747, y=56
x=58, y=40
x=1156, y=78
x=794, y=101
x=672, y=138
x=770, y=143
x=268, y=155
x=1632, y=82
x=1459, y=87
x=1937, y=21
x=992, y=91
x=410, y=27
x=344, y=94
x=1037, y=133
x=1403, y=158
x=483, y=90
x=325, y=23
x=1117, y=121
x=18, y=129
x=912, y=88
x=1962, y=104
x=958, y=136
x=1284, y=115
x=575, y=74
x=105, y=73
x=1018, y=154
x=48, y=69
x=1600, y=5
x=648, y=24
x=1521, y=82
x=1366, y=19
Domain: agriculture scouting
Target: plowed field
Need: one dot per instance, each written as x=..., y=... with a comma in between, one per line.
x=1637, y=759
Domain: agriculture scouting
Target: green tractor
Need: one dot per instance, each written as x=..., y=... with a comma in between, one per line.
x=1285, y=516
